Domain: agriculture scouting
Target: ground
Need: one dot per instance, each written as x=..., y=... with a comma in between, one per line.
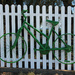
x=22, y=71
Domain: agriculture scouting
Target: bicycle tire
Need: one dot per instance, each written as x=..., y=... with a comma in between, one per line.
x=63, y=62
x=24, y=47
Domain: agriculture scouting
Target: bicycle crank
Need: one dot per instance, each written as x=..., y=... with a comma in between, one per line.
x=43, y=51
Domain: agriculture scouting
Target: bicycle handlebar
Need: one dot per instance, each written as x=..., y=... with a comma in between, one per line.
x=23, y=11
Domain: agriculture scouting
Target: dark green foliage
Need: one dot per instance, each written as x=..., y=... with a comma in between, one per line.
x=37, y=2
x=67, y=2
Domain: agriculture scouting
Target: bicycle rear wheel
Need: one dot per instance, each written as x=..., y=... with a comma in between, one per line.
x=65, y=61
x=8, y=54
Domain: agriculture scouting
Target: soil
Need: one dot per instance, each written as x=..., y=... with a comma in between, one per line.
x=22, y=71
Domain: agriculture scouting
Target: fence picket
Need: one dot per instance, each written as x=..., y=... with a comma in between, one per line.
x=69, y=36
x=38, y=35
x=56, y=43
x=44, y=31
x=31, y=38
x=19, y=40
x=13, y=36
x=2, y=32
x=26, y=39
x=62, y=32
x=50, y=41
x=7, y=37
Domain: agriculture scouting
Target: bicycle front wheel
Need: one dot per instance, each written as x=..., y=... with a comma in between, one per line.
x=12, y=55
x=63, y=45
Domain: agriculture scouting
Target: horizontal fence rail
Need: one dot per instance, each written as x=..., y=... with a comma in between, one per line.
x=10, y=22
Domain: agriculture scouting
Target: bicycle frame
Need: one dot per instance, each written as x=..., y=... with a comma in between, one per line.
x=41, y=45
x=48, y=37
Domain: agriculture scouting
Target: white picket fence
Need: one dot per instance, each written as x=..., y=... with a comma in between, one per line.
x=35, y=60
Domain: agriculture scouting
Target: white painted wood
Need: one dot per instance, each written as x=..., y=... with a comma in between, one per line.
x=20, y=39
x=26, y=39
x=50, y=40
x=38, y=35
x=1, y=33
x=13, y=36
x=62, y=18
x=74, y=41
x=31, y=38
x=56, y=43
x=69, y=36
x=7, y=36
x=44, y=31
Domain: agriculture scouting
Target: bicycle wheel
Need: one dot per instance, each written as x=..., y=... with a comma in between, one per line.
x=13, y=55
x=65, y=61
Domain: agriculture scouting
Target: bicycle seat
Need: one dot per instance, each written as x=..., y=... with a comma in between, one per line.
x=54, y=23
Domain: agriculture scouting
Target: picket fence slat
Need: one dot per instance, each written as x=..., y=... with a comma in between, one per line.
x=50, y=41
x=26, y=39
x=31, y=38
x=44, y=31
x=2, y=32
x=19, y=40
x=35, y=59
x=62, y=32
x=13, y=36
x=7, y=37
x=38, y=36
x=56, y=44
x=69, y=36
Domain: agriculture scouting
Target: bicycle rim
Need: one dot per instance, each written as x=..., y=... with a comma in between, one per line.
x=7, y=47
x=68, y=63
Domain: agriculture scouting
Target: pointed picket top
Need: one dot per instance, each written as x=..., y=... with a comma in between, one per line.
x=19, y=9
x=38, y=9
x=25, y=7
x=7, y=8
x=12, y=8
x=44, y=9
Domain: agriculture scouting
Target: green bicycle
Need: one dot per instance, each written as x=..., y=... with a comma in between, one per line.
x=44, y=48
